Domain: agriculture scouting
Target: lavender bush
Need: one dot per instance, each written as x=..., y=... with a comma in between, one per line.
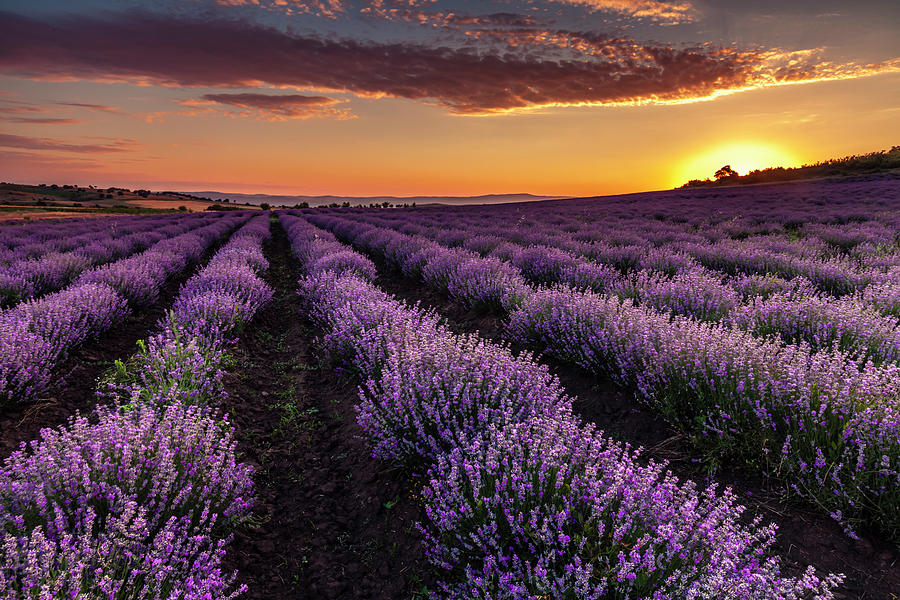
x=755, y=286
x=694, y=292
x=139, y=500
x=41, y=332
x=845, y=324
x=37, y=335
x=221, y=298
x=437, y=392
x=547, y=508
x=522, y=501
x=226, y=294
x=834, y=423
x=137, y=505
x=52, y=255
x=741, y=397
x=884, y=296
x=171, y=367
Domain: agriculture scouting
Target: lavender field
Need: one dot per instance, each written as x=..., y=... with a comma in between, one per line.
x=689, y=394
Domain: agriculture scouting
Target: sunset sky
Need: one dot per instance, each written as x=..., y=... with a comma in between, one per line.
x=434, y=97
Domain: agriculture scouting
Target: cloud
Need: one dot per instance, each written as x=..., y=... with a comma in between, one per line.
x=17, y=160
x=96, y=107
x=455, y=20
x=389, y=9
x=18, y=107
x=31, y=143
x=321, y=8
x=9, y=106
x=275, y=107
x=473, y=79
x=662, y=12
x=659, y=11
x=42, y=120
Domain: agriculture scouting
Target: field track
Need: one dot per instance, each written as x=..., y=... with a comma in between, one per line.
x=330, y=521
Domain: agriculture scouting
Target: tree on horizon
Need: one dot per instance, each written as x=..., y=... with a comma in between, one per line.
x=724, y=172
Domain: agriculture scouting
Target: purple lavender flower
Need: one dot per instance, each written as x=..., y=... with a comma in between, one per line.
x=140, y=501
x=522, y=500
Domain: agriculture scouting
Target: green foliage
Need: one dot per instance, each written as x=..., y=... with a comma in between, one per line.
x=165, y=368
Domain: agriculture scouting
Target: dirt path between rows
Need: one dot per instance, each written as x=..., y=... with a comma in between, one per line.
x=330, y=521
x=805, y=537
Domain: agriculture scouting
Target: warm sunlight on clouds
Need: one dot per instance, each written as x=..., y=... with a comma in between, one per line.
x=474, y=81
x=665, y=12
x=573, y=97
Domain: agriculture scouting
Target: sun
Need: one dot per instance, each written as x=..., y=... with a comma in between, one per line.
x=743, y=158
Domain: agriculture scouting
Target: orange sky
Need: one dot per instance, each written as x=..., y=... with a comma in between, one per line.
x=136, y=129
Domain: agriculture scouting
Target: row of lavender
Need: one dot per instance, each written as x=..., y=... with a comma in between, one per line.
x=521, y=499
x=37, y=335
x=829, y=429
x=139, y=500
x=855, y=219
x=762, y=229
x=30, y=239
x=865, y=324
x=781, y=254
x=43, y=263
x=743, y=211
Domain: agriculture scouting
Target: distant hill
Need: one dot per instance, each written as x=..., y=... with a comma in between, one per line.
x=42, y=200
x=858, y=164
x=284, y=200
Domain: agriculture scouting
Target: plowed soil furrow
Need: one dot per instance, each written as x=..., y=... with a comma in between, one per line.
x=330, y=521
x=805, y=537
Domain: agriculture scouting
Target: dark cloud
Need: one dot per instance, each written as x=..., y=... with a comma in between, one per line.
x=84, y=105
x=165, y=50
x=451, y=19
x=31, y=143
x=42, y=120
x=495, y=19
x=275, y=106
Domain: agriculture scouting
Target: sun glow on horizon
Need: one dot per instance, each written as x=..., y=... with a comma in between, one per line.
x=743, y=157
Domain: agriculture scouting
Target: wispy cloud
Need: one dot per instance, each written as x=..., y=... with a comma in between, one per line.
x=103, y=145
x=37, y=165
x=10, y=106
x=275, y=107
x=94, y=107
x=473, y=79
x=42, y=120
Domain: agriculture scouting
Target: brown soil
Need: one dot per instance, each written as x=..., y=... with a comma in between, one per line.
x=805, y=537
x=329, y=521
x=194, y=205
x=75, y=380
